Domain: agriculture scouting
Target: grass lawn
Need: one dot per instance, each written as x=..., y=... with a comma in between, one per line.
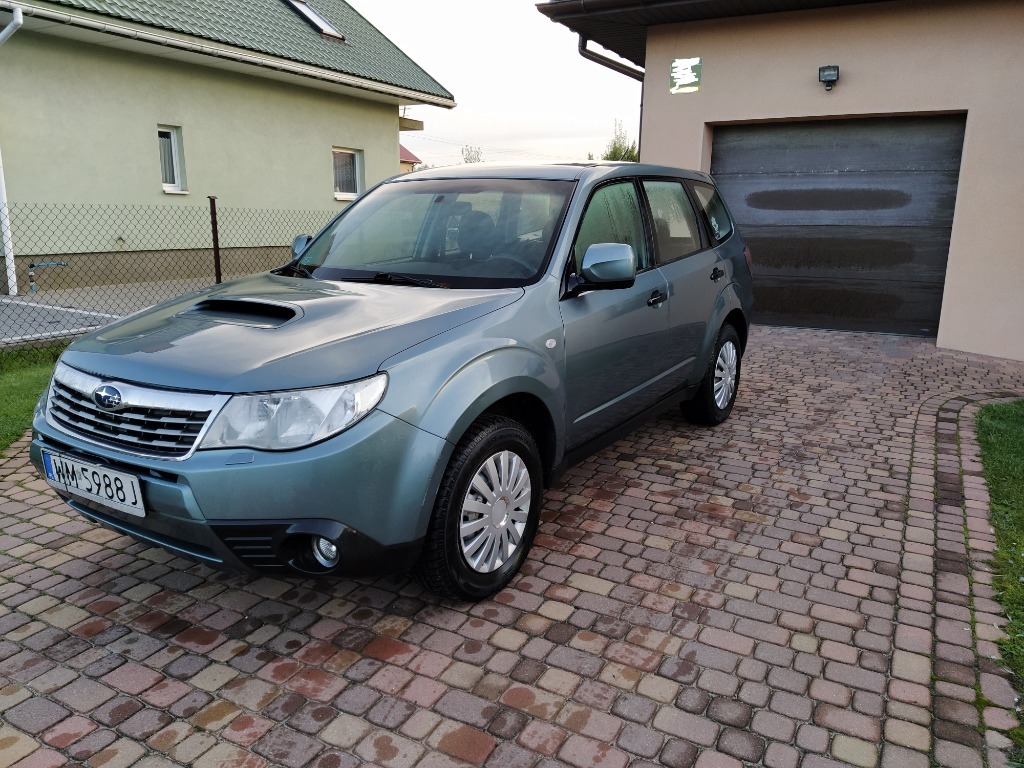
x=1001, y=435
x=23, y=377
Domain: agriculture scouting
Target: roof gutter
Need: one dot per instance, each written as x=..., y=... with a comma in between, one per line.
x=6, y=236
x=622, y=69
x=232, y=54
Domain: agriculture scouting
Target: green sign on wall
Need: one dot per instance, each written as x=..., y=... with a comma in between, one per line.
x=685, y=75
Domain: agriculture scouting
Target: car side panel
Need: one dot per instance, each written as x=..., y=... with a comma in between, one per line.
x=693, y=296
x=615, y=365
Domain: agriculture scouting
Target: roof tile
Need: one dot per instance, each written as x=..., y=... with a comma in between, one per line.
x=274, y=28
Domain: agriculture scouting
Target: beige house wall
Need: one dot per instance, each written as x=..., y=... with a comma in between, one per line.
x=78, y=124
x=894, y=58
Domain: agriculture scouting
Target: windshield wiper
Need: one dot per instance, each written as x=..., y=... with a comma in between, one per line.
x=398, y=277
x=294, y=268
x=393, y=278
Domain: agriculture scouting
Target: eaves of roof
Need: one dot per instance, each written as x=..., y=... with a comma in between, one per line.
x=265, y=33
x=621, y=25
x=405, y=156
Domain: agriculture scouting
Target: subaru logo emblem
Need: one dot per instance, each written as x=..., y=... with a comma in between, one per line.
x=107, y=397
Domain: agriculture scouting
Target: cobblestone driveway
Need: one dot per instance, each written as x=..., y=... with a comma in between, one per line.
x=796, y=587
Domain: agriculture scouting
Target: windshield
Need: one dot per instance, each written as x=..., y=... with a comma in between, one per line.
x=457, y=233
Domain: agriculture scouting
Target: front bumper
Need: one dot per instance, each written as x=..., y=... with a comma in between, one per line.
x=370, y=490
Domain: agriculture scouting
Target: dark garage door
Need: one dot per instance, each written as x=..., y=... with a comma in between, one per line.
x=848, y=220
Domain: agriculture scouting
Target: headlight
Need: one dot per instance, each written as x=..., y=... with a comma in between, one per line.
x=277, y=421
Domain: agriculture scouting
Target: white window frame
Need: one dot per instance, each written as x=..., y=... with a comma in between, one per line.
x=178, y=186
x=357, y=155
x=310, y=14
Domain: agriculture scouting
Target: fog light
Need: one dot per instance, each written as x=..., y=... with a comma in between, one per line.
x=325, y=552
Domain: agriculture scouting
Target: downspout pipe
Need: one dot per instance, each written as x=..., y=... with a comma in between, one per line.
x=622, y=69
x=6, y=236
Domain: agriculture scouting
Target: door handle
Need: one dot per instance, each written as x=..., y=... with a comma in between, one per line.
x=656, y=298
x=717, y=274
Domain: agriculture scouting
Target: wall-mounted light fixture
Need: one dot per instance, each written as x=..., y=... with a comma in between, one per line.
x=828, y=75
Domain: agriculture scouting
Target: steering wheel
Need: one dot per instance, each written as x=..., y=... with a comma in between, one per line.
x=521, y=266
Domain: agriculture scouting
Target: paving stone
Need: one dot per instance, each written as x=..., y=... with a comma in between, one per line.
x=132, y=678
x=120, y=754
x=247, y=729
x=899, y=757
x=950, y=755
x=462, y=742
x=542, y=738
x=389, y=750
x=729, y=712
x=284, y=746
x=228, y=754
x=467, y=708
x=684, y=725
x=35, y=715
x=345, y=731
x=312, y=717
x=16, y=745
x=855, y=751
x=679, y=753
x=215, y=715
x=635, y=708
x=115, y=711
x=584, y=753
x=91, y=744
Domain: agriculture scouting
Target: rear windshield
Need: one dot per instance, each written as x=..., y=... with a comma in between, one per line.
x=455, y=233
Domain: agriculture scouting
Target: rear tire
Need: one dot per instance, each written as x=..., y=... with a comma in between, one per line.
x=714, y=400
x=486, y=512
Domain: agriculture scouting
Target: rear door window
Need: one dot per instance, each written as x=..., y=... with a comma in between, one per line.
x=676, y=232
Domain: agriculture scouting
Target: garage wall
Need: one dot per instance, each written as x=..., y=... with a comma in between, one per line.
x=900, y=58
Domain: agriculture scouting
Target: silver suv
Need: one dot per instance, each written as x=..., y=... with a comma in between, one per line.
x=398, y=395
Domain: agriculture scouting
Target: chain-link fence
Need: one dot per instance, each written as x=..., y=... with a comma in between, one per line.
x=69, y=269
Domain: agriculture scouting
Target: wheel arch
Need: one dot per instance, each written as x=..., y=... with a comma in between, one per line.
x=738, y=320
x=530, y=411
x=510, y=380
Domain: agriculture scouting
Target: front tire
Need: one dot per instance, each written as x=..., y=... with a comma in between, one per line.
x=486, y=512
x=717, y=394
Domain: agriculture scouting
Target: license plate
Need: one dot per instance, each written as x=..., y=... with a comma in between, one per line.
x=113, y=489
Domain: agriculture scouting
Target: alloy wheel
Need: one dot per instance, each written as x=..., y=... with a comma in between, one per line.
x=495, y=512
x=726, y=367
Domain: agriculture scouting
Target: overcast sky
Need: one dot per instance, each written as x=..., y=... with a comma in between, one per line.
x=524, y=93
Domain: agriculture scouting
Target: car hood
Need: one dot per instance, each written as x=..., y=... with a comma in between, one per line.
x=266, y=332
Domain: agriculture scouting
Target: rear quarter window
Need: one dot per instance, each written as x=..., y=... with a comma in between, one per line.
x=712, y=210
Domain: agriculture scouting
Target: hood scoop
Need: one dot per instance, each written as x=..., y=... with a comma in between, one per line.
x=251, y=312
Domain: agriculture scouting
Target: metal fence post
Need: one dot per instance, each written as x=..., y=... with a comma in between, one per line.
x=216, y=238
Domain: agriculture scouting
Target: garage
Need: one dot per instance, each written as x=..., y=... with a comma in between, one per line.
x=849, y=220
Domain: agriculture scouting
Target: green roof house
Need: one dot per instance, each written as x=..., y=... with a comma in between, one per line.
x=271, y=104
x=119, y=118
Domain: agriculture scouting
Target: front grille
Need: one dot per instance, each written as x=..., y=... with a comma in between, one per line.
x=150, y=422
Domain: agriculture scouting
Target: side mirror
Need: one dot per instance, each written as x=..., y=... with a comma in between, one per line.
x=299, y=245
x=608, y=265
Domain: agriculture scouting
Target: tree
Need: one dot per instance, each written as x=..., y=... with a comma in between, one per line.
x=620, y=147
x=471, y=154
